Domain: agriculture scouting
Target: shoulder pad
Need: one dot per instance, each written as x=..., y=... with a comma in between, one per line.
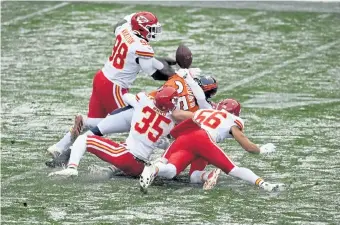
x=143, y=49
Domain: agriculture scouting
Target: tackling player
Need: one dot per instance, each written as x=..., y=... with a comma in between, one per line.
x=151, y=120
x=131, y=53
x=206, y=127
x=189, y=92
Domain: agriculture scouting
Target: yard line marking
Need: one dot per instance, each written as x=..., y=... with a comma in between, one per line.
x=279, y=66
x=36, y=13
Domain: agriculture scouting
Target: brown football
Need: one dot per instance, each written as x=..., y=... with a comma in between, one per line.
x=183, y=56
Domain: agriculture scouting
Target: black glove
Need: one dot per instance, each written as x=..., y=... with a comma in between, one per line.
x=167, y=70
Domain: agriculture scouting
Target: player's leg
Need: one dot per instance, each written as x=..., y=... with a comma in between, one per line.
x=118, y=121
x=177, y=162
x=95, y=114
x=174, y=161
x=216, y=156
x=115, y=154
x=105, y=149
x=198, y=175
x=197, y=172
x=167, y=169
x=110, y=95
x=78, y=149
x=113, y=97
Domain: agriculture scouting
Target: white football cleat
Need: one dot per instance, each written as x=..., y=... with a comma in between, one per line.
x=54, y=151
x=146, y=178
x=108, y=172
x=212, y=179
x=68, y=172
x=78, y=126
x=272, y=187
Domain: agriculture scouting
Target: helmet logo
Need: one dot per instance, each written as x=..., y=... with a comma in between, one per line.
x=142, y=19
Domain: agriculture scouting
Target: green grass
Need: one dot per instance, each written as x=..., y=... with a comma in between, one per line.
x=47, y=65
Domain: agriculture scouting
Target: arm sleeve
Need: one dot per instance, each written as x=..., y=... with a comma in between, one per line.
x=150, y=65
x=198, y=92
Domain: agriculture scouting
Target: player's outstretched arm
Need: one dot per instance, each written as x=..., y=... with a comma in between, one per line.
x=242, y=139
x=187, y=74
x=158, y=69
x=181, y=115
x=167, y=71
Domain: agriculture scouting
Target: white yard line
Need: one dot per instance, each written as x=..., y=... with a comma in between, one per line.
x=279, y=66
x=20, y=18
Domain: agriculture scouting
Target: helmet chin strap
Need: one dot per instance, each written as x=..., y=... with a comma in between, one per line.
x=140, y=36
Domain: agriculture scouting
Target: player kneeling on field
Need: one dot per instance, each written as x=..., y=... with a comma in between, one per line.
x=196, y=139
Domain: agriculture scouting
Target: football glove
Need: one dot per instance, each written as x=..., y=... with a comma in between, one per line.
x=267, y=148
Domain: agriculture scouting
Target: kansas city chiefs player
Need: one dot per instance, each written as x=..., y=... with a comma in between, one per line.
x=190, y=97
x=131, y=53
x=196, y=139
x=150, y=121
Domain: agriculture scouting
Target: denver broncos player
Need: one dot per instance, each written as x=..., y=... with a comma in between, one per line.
x=131, y=53
x=150, y=121
x=207, y=127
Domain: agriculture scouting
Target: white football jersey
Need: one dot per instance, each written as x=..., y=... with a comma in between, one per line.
x=217, y=123
x=121, y=67
x=148, y=125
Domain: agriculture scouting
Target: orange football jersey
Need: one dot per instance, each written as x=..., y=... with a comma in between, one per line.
x=186, y=99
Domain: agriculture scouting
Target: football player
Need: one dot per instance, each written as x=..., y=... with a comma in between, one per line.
x=119, y=121
x=207, y=127
x=131, y=53
x=150, y=121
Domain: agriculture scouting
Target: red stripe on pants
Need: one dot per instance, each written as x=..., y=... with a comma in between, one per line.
x=115, y=154
x=102, y=100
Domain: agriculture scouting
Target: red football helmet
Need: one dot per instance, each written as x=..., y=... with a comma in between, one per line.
x=146, y=24
x=166, y=99
x=230, y=105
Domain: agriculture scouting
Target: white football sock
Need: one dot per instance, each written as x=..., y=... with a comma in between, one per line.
x=78, y=149
x=246, y=175
x=196, y=177
x=166, y=170
x=66, y=141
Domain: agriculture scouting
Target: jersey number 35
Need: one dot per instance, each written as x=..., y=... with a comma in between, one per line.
x=150, y=124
